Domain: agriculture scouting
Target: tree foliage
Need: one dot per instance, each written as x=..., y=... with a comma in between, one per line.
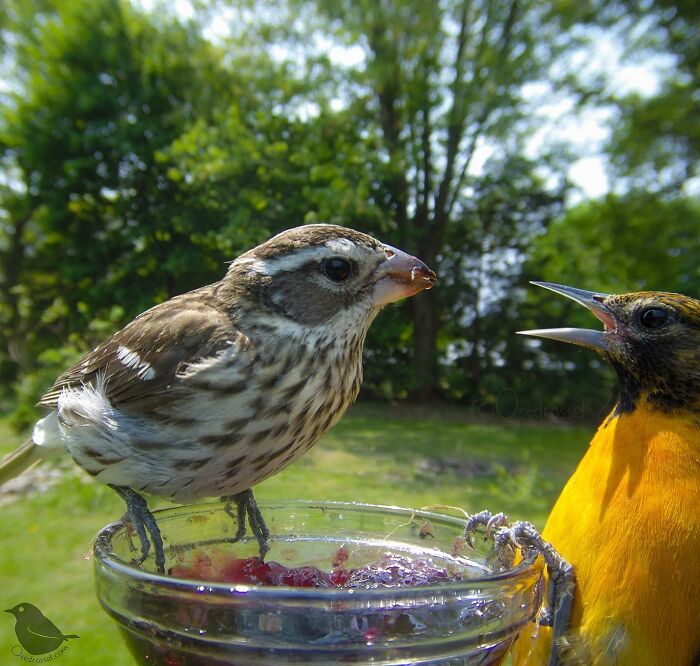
x=92, y=218
x=437, y=82
x=657, y=142
x=137, y=156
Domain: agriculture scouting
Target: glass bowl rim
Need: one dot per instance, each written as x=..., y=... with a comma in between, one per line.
x=106, y=559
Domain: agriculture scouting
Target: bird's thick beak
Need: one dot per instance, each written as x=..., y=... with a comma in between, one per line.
x=10, y=610
x=400, y=276
x=579, y=336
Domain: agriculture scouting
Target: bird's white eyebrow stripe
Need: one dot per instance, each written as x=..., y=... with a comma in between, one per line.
x=131, y=359
x=293, y=261
x=341, y=246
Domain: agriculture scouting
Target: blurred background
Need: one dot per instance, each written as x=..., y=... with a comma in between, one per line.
x=143, y=144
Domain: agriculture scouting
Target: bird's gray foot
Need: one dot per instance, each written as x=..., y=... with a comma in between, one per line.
x=484, y=519
x=247, y=507
x=562, y=582
x=140, y=516
x=493, y=523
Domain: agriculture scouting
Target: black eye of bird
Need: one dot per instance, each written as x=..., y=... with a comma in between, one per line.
x=653, y=317
x=337, y=269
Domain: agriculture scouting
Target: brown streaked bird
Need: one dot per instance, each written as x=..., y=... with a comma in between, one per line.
x=210, y=392
x=628, y=519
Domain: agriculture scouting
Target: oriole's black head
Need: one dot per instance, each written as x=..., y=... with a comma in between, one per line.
x=651, y=338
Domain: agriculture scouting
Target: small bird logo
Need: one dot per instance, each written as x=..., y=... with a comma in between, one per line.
x=35, y=632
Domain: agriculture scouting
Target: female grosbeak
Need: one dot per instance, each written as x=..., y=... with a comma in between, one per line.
x=215, y=390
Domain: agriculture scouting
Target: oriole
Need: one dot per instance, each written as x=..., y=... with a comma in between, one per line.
x=629, y=517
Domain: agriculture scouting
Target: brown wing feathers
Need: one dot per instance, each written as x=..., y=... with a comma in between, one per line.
x=140, y=361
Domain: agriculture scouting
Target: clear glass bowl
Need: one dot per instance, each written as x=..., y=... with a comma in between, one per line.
x=176, y=622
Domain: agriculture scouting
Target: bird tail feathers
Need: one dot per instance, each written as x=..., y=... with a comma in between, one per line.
x=19, y=460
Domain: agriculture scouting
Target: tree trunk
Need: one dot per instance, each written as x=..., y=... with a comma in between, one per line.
x=425, y=358
x=475, y=361
x=425, y=332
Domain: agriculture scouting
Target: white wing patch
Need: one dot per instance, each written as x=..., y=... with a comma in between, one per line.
x=132, y=360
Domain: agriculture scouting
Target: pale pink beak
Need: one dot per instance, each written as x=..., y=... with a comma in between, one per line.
x=401, y=276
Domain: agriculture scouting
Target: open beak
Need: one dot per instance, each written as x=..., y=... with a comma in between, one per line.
x=400, y=276
x=579, y=336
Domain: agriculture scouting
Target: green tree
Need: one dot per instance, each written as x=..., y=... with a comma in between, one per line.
x=508, y=209
x=436, y=84
x=657, y=139
x=90, y=215
x=138, y=156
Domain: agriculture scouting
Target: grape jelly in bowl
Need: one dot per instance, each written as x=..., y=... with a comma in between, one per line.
x=342, y=583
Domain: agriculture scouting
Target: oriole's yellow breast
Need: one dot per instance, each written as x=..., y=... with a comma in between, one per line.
x=629, y=521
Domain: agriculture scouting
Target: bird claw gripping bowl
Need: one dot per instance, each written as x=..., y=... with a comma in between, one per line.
x=344, y=583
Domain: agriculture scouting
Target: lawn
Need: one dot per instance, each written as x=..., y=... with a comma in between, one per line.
x=377, y=454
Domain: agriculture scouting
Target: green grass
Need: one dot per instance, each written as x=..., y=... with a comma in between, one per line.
x=403, y=457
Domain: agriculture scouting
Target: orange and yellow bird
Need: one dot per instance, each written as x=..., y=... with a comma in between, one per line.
x=629, y=517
